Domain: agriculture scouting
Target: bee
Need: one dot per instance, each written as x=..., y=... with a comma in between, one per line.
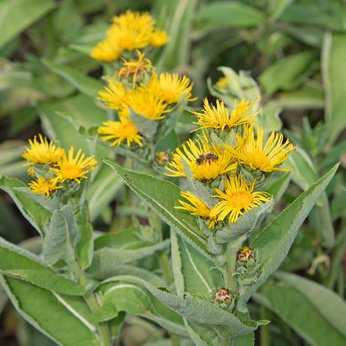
x=207, y=157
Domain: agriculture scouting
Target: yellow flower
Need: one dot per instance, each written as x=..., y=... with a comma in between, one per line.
x=114, y=95
x=135, y=67
x=222, y=83
x=196, y=207
x=135, y=21
x=43, y=186
x=205, y=160
x=171, y=87
x=74, y=166
x=265, y=155
x=158, y=38
x=41, y=151
x=120, y=131
x=237, y=198
x=219, y=117
x=105, y=51
x=147, y=104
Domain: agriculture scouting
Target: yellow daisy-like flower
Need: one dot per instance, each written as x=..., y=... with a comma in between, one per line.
x=222, y=83
x=196, y=207
x=147, y=104
x=41, y=151
x=120, y=131
x=114, y=95
x=221, y=118
x=135, y=21
x=105, y=51
x=171, y=87
x=205, y=161
x=43, y=186
x=74, y=166
x=265, y=155
x=158, y=38
x=237, y=198
x=135, y=67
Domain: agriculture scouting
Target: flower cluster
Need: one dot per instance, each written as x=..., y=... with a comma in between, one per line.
x=225, y=165
x=138, y=91
x=52, y=167
x=129, y=31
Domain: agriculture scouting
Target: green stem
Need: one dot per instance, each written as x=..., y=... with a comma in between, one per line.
x=265, y=335
x=166, y=268
x=91, y=300
x=175, y=340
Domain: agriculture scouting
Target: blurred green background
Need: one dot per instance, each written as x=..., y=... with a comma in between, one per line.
x=296, y=50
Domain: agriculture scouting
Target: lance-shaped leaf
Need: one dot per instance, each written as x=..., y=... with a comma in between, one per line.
x=134, y=300
x=21, y=264
x=16, y=15
x=62, y=236
x=274, y=241
x=320, y=319
x=107, y=258
x=194, y=309
x=85, y=84
x=34, y=212
x=162, y=196
x=66, y=322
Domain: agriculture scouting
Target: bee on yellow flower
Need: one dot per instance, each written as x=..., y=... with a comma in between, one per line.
x=41, y=151
x=237, y=198
x=221, y=118
x=118, y=132
x=205, y=160
x=73, y=166
x=147, y=104
x=265, y=155
x=196, y=207
x=135, y=67
x=171, y=87
x=114, y=95
x=44, y=186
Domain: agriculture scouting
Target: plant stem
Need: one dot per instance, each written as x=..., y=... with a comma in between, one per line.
x=91, y=300
x=175, y=340
x=265, y=335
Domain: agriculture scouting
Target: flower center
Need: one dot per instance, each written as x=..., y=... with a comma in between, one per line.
x=71, y=171
x=240, y=200
x=260, y=161
x=206, y=158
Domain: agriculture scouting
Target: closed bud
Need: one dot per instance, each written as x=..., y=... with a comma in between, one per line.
x=245, y=254
x=223, y=296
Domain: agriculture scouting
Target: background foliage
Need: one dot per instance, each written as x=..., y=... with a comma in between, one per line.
x=296, y=50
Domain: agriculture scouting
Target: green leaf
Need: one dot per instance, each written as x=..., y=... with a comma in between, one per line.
x=193, y=309
x=287, y=73
x=275, y=240
x=320, y=319
x=52, y=314
x=226, y=14
x=162, y=196
x=134, y=300
x=16, y=15
x=176, y=52
x=85, y=84
x=304, y=174
x=334, y=76
x=200, y=277
x=106, y=258
x=21, y=264
x=85, y=246
x=61, y=236
x=102, y=190
x=35, y=213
